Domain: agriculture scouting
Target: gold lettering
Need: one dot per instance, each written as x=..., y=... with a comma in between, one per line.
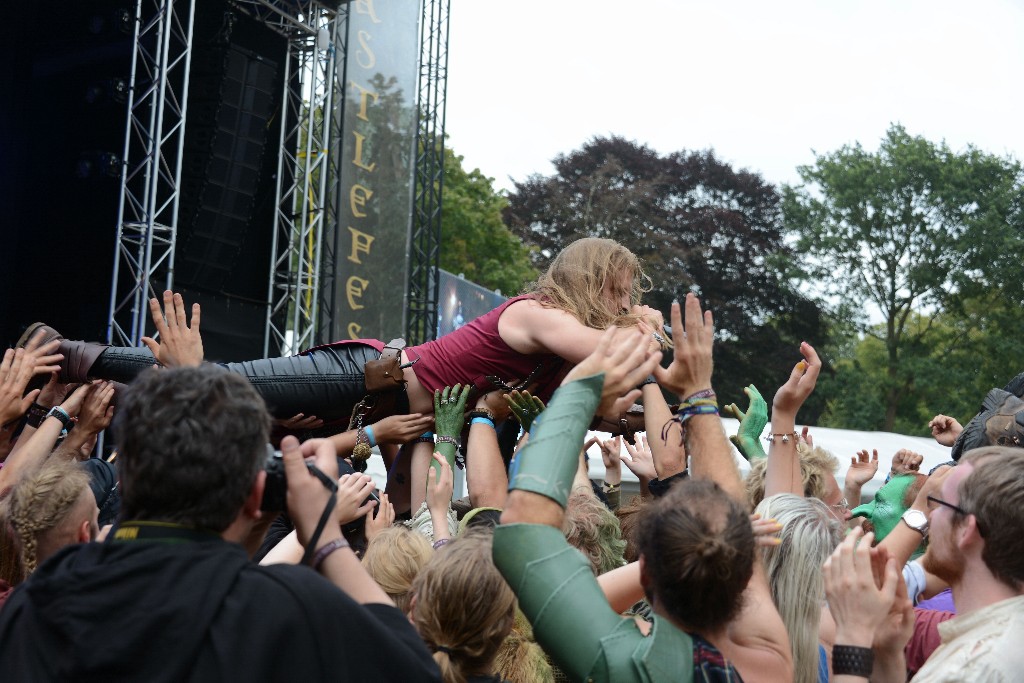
x=366, y=7
x=364, y=96
x=127, y=533
x=360, y=243
x=357, y=198
x=366, y=52
x=353, y=330
x=354, y=288
x=358, y=158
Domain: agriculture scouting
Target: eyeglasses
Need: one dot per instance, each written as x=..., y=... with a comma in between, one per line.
x=956, y=508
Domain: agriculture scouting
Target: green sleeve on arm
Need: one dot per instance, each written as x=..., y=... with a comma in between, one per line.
x=548, y=462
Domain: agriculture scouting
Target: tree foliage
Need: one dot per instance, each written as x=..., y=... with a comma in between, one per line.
x=698, y=225
x=931, y=238
x=474, y=240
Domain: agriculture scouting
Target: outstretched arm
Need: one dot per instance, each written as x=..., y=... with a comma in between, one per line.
x=758, y=633
x=783, y=472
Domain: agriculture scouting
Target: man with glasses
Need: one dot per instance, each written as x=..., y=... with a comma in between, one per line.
x=976, y=532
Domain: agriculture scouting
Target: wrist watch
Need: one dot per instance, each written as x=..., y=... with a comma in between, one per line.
x=61, y=415
x=916, y=520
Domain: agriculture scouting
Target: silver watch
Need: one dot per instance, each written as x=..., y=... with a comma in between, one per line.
x=916, y=520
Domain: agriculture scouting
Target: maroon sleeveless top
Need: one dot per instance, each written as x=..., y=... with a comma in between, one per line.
x=471, y=353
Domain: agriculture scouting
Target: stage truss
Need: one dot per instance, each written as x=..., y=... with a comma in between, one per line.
x=300, y=293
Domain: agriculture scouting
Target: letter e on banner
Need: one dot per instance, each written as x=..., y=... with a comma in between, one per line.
x=357, y=198
x=354, y=288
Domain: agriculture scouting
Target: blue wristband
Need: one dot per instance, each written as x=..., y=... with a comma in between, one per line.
x=368, y=430
x=482, y=421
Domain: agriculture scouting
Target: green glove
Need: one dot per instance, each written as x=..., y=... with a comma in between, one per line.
x=449, y=417
x=752, y=422
x=525, y=407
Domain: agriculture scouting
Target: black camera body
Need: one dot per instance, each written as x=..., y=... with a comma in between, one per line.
x=275, y=491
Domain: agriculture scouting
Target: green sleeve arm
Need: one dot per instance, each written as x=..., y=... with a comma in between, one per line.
x=548, y=462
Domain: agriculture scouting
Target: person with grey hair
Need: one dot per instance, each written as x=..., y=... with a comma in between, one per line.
x=810, y=532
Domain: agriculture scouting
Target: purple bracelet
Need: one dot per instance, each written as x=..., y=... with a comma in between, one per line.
x=327, y=549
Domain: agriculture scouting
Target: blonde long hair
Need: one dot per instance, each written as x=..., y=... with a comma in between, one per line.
x=393, y=558
x=809, y=535
x=463, y=609
x=575, y=280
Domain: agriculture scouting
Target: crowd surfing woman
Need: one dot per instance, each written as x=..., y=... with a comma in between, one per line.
x=530, y=341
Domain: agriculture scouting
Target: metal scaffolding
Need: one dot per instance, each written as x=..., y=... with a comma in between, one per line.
x=302, y=234
x=300, y=300
x=150, y=164
x=425, y=240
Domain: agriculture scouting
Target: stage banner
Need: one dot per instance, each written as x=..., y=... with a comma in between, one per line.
x=376, y=171
x=460, y=301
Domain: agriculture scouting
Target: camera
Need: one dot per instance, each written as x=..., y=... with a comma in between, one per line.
x=275, y=492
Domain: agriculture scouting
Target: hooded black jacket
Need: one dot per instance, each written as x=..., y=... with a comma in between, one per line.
x=197, y=611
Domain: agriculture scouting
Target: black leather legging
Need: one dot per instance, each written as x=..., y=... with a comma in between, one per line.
x=326, y=382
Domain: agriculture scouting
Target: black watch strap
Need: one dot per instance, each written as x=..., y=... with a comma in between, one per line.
x=35, y=415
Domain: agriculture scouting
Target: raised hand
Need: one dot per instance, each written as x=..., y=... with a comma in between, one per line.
x=382, y=518
x=440, y=489
x=611, y=455
x=692, y=362
x=96, y=412
x=450, y=409
x=640, y=461
x=800, y=384
x=905, y=461
x=862, y=468
x=180, y=344
x=752, y=422
x=945, y=429
x=525, y=407
x=496, y=402
x=16, y=369
x=858, y=604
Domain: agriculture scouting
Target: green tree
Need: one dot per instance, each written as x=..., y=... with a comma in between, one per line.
x=474, y=240
x=919, y=232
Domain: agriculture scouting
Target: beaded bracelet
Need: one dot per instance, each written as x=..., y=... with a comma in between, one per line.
x=444, y=438
x=440, y=543
x=482, y=413
x=327, y=549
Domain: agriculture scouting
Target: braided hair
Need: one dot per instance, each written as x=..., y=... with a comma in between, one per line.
x=40, y=502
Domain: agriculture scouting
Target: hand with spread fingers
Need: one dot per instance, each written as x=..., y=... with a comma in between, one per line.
x=180, y=343
x=640, y=461
x=862, y=468
x=766, y=531
x=752, y=422
x=97, y=413
x=692, y=363
x=17, y=369
x=450, y=410
x=525, y=407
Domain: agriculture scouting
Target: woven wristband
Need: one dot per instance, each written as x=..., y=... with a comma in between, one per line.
x=850, y=660
x=327, y=549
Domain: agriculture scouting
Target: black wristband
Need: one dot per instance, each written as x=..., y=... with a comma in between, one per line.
x=850, y=660
x=35, y=415
x=481, y=413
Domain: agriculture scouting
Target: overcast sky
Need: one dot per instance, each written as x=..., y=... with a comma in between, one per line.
x=763, y=83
